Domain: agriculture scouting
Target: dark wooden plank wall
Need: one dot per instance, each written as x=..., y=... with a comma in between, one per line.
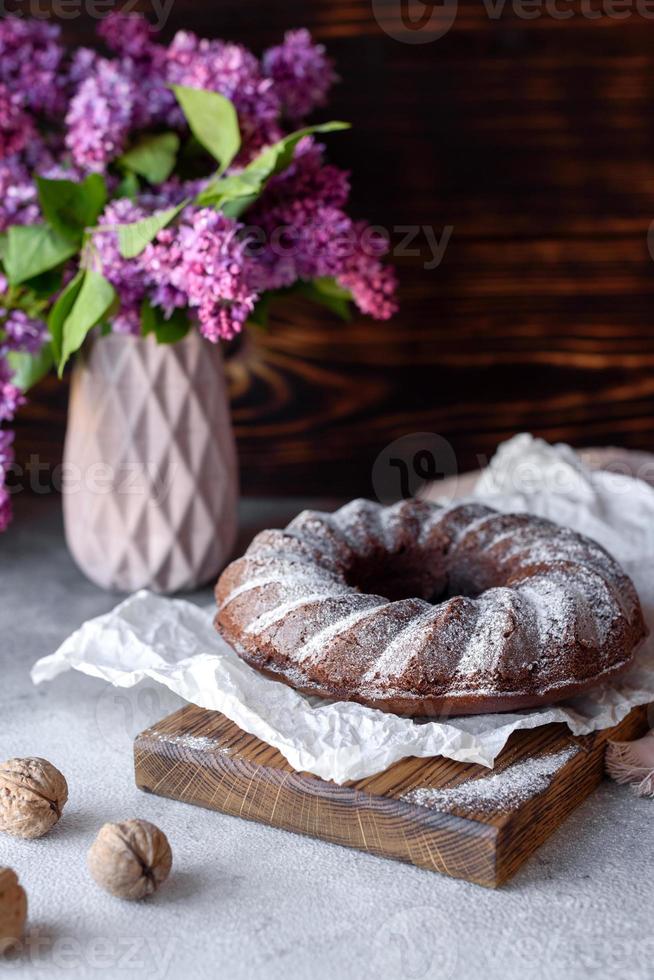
x=534, y=139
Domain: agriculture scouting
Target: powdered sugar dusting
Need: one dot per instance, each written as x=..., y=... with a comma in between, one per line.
x=294, y=583
x=538, y=608
x=499, y=791
x=197, y=743
x=314, y=647
x=274, y=615
x=395, y=658
x=483, y=641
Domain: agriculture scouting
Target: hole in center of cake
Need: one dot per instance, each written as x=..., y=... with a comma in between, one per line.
x=399, y=576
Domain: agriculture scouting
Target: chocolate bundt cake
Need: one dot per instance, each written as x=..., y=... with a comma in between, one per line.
x=421, y=609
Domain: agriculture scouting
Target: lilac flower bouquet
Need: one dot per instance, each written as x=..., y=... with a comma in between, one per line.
x=157, y=189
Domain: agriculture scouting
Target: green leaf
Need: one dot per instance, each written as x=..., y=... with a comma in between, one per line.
x=261, y=312
x=59, y=314
x=324, y=290
x=83, y=304
x=3, y=245
x=153, y=157
x=327, y=292
x=128, y=187
x=28, y=369
x=33, y=249
x=237, y=188
x=236, y=193
x=45, y=285
x=279, y=156
x=167, y=331
x=133, y=238
x=94, y=300
x=69, y=207
x=213, y=121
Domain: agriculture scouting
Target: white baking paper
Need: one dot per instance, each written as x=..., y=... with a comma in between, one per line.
x=173, y=642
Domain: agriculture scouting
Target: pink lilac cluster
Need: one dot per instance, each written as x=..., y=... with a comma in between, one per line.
x=211, y=264
x=309, y=235
x=202, y=264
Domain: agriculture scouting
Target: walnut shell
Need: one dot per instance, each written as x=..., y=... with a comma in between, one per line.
x=130, y=859
x=32, y=795
x=13, y=909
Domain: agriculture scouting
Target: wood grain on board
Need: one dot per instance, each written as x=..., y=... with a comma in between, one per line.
x=201, y=757
x=533, y=139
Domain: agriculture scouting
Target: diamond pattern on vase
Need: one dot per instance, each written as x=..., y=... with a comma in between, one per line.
x=151, y=484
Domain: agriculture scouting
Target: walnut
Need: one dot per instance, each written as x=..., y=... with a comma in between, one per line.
x=32, y=795
x=13, y=909
x=130, y=859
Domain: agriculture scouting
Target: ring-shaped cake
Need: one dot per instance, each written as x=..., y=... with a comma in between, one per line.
x=427, y=610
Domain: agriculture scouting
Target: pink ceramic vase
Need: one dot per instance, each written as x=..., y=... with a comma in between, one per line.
x=150, y=469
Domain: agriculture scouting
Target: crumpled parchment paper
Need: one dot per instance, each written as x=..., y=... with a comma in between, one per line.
x=173, y=642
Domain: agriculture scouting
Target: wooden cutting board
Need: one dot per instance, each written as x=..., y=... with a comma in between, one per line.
x=461, y=820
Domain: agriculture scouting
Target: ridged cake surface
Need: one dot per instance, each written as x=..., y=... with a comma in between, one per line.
x=423, y=610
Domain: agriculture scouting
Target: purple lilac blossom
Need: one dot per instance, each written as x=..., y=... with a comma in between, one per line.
x=308, y=235
x=6, y=460
x=128, y=34
x=11, y=398
x=301, y=242
x=114, y=97
x=22, y=332
x=125, y=275
x=302, y=73
x=16, y=127
x=204, y=262
x=373, y=285
x=18, y=198
x=309, y=179
x=100, y=116
x=31, y=63
x=233, y=71
x=18, y=332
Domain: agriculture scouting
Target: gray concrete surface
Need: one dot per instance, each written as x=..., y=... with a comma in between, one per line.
x=246, y=901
